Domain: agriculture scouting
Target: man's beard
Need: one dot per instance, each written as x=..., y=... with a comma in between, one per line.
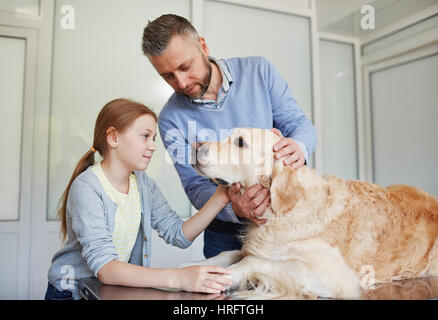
x=205, y=82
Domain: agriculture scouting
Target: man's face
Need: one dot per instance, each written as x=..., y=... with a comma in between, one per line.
x=184, y=66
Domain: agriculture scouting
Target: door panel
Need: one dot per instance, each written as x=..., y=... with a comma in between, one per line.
x=338, y=109
x=9, y=249
x=12, y=64
x=404, y=114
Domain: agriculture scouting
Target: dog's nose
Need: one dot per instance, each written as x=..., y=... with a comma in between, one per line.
x=195, y=149
x=200, y=147
x=194, y=157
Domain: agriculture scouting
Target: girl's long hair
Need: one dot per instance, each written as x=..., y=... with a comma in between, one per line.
x=119, y=114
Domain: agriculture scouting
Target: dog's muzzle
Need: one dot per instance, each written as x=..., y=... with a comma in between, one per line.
x=196, y=152
x=200, y=151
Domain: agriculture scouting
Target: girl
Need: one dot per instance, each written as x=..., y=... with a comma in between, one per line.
x=109, y=208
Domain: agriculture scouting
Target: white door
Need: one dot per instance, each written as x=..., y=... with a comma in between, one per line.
x=17, y=65
x=404, y=115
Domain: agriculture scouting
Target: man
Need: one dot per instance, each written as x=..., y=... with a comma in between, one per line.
x=212, y=95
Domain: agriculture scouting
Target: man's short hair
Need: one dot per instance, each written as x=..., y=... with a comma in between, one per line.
x=158, y=33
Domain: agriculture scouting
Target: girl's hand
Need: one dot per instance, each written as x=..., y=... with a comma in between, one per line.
x=197, y=223
x=207, y=279
x=221, y=194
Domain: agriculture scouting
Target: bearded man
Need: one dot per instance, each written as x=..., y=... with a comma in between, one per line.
x=213, y=96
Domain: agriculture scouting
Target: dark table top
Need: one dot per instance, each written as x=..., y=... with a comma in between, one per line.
x=411, y=289
x=93, y=289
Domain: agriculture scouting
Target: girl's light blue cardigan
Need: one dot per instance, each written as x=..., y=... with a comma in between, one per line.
x=90, y=225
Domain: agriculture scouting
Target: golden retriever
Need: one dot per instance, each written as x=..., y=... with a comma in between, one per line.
x=324, y=236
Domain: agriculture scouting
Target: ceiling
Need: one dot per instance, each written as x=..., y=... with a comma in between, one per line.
x=343, y=16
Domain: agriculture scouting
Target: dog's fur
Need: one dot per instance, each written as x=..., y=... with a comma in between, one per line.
x=324, y=237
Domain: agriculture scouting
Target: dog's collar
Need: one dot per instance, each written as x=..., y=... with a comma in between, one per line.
x=220, y=182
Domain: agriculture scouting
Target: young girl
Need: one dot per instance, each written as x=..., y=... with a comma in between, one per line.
x=109, y=208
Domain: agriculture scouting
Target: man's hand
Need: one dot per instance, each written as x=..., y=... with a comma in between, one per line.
x=287, y=147
x=251, y=204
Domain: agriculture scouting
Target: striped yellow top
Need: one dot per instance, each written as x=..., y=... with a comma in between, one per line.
x=128, y=214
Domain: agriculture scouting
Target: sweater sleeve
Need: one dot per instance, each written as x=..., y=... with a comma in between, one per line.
x=288, y=117
x=88, y=222
x=164, y=219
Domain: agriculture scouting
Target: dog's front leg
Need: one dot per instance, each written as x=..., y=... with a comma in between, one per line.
x=257, y=278
x=240, y=272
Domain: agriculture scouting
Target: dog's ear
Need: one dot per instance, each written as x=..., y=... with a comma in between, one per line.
x=277, y=167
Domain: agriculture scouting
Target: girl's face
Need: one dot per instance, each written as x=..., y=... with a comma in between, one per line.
x=136, y=145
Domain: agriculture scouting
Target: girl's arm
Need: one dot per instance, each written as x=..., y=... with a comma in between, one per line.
x=208, y=279
x=197, y=223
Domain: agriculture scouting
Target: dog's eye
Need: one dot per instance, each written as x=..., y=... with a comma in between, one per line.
x=240, y=142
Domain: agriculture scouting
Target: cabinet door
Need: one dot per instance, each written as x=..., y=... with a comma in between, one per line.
x=17, y=69
x=404, y=102
x=338, y=109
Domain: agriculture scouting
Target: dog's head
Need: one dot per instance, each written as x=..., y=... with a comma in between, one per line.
x=246, y=156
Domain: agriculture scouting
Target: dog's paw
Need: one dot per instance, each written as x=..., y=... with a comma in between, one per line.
x=367, y=277
x=235, y=277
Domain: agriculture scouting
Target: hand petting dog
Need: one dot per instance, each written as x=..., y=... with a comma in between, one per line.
x=254, y=201
x=288, y=148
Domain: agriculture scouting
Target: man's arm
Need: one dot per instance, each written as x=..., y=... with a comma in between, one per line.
x=287, y=116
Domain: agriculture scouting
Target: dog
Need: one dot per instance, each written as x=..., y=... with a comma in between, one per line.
x=324, y=236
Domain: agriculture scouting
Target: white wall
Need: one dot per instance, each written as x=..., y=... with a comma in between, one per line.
x=98, y=61
x=284, y=39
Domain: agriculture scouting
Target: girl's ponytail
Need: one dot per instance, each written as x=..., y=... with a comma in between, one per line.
x=86, y=161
